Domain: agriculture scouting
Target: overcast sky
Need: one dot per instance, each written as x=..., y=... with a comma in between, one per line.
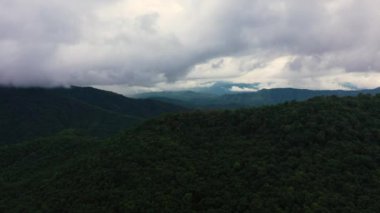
x=142, y=45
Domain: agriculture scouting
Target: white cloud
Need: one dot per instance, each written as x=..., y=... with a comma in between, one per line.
x=242, y=89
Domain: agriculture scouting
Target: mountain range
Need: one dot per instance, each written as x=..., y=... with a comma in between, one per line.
x=27, y=113
x=229, y=100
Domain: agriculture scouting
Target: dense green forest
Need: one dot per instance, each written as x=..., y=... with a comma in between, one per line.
x=321, y=155
x=27, y=113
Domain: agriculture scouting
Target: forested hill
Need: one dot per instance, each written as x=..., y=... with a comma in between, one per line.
x=119, y=103
x=321, y=155
x=33, y=112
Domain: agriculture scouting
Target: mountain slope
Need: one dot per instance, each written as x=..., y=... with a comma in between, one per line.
x=34, y=112
x=118, y=103
x=321, y=155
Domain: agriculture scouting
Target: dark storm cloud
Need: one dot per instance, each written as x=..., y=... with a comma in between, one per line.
x=51, y=42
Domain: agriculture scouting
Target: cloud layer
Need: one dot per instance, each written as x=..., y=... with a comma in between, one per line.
x=146, y=43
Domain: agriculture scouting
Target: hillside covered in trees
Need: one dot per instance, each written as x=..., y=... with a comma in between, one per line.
x=322, y=155
x=27, y=113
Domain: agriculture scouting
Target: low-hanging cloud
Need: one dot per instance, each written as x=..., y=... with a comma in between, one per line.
x=145, y=42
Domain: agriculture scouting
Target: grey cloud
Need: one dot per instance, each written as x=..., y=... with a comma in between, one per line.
x=218, y=64
x=148, y=22
x=65, y=42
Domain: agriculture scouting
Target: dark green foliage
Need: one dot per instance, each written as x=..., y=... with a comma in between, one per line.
x=34, y=112
x=321, y=155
